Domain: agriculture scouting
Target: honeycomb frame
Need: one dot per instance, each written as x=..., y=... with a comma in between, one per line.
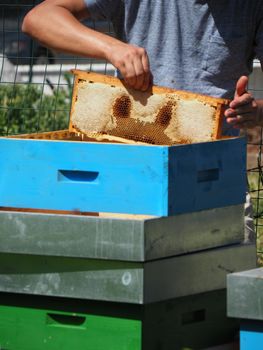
x=143, y=132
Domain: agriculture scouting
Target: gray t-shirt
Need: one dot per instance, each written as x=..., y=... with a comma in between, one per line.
x=202, y=46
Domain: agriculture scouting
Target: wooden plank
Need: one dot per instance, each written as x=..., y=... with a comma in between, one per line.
x=45, y=211
x=67, y=135
x=119, y=237
x=122, y=281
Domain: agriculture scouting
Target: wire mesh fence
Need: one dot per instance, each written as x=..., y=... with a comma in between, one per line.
x=36, y=86
x=35, y=83
x=255, y=162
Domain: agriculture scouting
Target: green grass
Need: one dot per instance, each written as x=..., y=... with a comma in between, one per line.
x=256, y=192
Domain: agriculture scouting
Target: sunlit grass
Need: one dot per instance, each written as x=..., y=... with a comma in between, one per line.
x=256, y=192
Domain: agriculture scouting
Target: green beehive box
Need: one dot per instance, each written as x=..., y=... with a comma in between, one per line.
x=196, y=322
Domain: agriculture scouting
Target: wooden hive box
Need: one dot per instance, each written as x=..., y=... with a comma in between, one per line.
x=39, y=323
x=123, y=281
x=99, y=171
x=244, y=302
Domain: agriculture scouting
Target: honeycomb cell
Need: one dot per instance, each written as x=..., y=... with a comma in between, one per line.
x=151, y=133
x=165, y=114
x=122, y=107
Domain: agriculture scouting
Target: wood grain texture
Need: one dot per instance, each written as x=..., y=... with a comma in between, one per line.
x=67, y=135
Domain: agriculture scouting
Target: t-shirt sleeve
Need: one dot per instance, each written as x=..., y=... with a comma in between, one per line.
x=102, y=9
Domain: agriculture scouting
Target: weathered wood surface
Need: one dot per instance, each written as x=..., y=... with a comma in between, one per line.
x=123, y=281
x=245, y=294
x=119, y=237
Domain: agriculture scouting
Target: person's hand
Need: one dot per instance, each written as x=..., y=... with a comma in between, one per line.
x=243, y=111
x=133, y=64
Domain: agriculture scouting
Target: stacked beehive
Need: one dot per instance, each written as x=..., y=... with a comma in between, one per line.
x=151, y=276
x=244, y=302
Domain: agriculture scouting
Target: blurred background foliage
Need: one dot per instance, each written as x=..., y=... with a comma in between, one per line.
x=25, y=109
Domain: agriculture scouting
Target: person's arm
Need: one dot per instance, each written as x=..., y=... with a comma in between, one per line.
x=244, y=111
x=56, y=24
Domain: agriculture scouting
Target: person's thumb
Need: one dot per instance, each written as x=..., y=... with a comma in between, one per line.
x=241, y=87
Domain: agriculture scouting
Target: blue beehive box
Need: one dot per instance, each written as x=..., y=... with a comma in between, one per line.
x=135, y=179
x=46, y=171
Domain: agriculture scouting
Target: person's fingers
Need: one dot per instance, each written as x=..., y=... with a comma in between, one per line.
x=133, y=64
x=141, y=66
x=242, y=110
x=241, y=101
x=147, y=73
x=242, y=121
x=140, y=76
x=247, y=124
x=129, y=74
x=238, y=118
x=241, y=86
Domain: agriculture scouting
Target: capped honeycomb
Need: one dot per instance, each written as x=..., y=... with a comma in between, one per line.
x=103, y=105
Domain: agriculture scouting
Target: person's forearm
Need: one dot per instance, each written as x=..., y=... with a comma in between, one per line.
x=55, y=23
x=57, y=28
